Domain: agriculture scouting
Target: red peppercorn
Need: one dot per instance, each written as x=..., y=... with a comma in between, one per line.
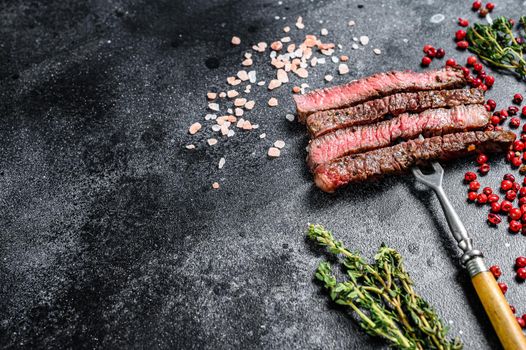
x=493, y=198
x=476, y=82
x=483, y=199
x=471, y=60
x=494, y=219
x=523, y=208
x=489, y=80
x=522, y=192
x=516, y=187
x=521, y=274
x=484, y=169
x=482, y=158
x=520, y=262
x=523, y=138
x=517, y=98
x=460, y=34
x=496, y=271
x=513, y=110
x=492, y=104
x=427, y=47
x=515, y=123
x=440, y=53
x=513, y=309
x=470, y=176
x=503, y=114
x=477, y=67
x=431, y=52
x=505, y=206
x=495, y=206
x=464, y=70
x=516, y=162
x=462, y=45
x=472, y=196
x=487, y=191
x=483, y=87
x=509, y=177
x=521, y=322
x=524, y=317
x=523, y=111
x=515, y=213
x=495, y=120
x=518, y=145
x=511, y=195
x=476, y=5
x=483, y=12
x=515, y=226
x=474, y=185
x=451, y=62
x=426, y=61
x=490, y=6
x=505, y=185
x=463, y=22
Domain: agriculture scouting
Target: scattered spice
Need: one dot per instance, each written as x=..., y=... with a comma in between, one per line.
x=274, y=152
x=194, y=128
x=364, y=40
x=222, y=162
x=343, y=69
x=235, y=40
x=273, y=102
x=190, y=146
x=211, y=141
x=279, y=144
x=215, y=185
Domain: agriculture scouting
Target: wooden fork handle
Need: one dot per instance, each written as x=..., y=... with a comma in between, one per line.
x=499, y=311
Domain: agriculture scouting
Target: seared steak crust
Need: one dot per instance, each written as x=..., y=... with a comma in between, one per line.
x=431, y=122
x=400, y=158
x=375, y=110
x=378, y=85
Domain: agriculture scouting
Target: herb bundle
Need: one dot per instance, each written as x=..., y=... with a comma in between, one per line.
x=382, y=296
x=498, y=45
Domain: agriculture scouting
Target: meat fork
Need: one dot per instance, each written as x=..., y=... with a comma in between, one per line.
x=490, y=295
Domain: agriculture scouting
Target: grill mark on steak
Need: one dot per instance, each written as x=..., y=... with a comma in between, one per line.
x=378, y=85
x=431, y=122
x=373, y=111
x=400, y=158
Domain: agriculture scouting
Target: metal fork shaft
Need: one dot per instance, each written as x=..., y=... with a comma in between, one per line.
x=465, y=243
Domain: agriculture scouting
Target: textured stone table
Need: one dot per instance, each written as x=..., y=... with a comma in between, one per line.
x=110, y=234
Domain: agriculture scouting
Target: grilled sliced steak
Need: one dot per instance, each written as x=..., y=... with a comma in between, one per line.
x=373, y=111
x=378, y=85
x=400, y=158
x=431, y=122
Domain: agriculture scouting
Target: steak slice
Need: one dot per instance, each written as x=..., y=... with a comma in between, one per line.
x=378, y=85
x=401, y=157
x=431, y=122
x=372, y=111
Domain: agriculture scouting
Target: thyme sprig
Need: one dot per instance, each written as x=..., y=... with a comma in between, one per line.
x=497, y=44
x=382, y=296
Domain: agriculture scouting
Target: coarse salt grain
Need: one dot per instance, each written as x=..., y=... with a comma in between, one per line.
x=282, y=76
x=216, y=127
x=364, y=40
x=249, y=105
x=273, y=102
x=243, y=75
x=195, y=127
x=328, y=77
x=274, y=83
x=343, y=68
x=289, y=117
x=232, y=93
x=276, y=45
x=247, y=62
x=279, y=144
x=190, y=146
x=214, y=106
x=238, y=112
x=355, y=46
x=324, y=32
x=240, y=123
x=240, y=102
x=262, y=136
x=252, y=76
x=344, y=58
x=230, y=133
x=235, y=40
x=211, y=95
x=274, y=152
x=233, y=81
x=286, y=29
x=302, y=73
x=377, y=51
x=247, y=125
x=222, y=162
x=211, y=141
x=351, y=23
x=335, y=59
x=215, y=185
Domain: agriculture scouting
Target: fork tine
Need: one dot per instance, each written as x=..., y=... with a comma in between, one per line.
x=438, y=168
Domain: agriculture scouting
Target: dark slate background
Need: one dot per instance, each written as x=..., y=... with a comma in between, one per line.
x=111, y=236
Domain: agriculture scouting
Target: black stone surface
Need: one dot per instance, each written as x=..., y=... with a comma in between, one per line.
x=111, y=236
